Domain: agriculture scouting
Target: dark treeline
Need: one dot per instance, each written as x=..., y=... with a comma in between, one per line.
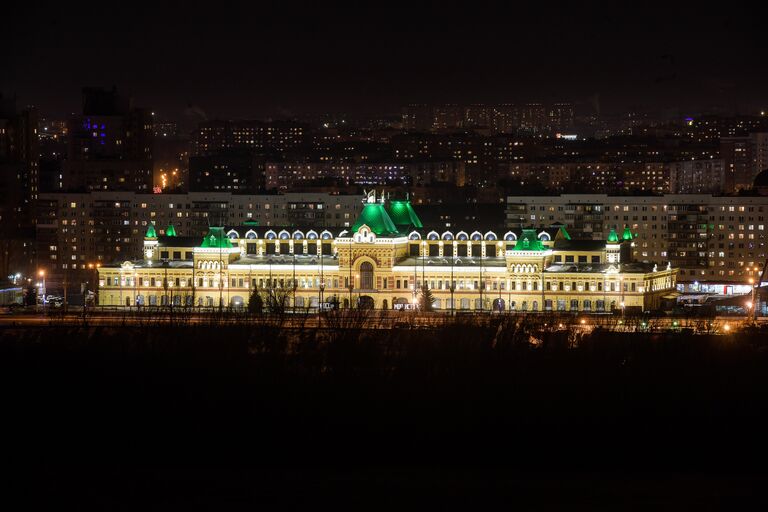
x=346, y=401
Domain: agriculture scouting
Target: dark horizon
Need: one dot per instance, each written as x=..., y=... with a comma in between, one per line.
x=269, y=60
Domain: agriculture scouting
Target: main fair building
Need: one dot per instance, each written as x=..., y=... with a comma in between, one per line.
x=385, y=261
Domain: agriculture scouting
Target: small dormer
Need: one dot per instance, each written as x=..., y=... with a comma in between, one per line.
x=613, y=248
x=150, y=242
x=364, y=235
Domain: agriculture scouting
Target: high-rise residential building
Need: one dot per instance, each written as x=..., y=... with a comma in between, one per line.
x=286, y=176
x=561, y=117
x=697, y=177
x=448, y=116
x=717, y=127
x=481, y=116
x=52, y=137
x=743, y=158
x=714, y=240
x=759, y=151
x=110, y=145
x=417, y=117
x=533, y=118
x=272, y=138
x=506, y=118
x=19, y=186
x=231, y=171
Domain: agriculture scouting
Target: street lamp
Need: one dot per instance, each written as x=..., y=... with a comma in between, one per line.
x=41, y=273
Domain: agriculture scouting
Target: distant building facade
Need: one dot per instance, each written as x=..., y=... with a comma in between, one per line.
x=109, y=145
x=19, y=186
x=78, y=229
x=709, y=238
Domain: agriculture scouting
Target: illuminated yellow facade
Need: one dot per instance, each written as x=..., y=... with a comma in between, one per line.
x=384, y=261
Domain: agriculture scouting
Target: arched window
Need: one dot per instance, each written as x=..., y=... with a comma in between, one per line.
x=544, y=236
x=366, y=276
x=250, y=235
x=298, y=235
x=414, y=236
x=233, y=234
x=447, y=235
x=490, y=235
x=510, y=236
x=476, y=236
x=433, y=236
x=462, y=236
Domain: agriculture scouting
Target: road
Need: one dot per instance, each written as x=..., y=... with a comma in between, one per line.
x=373, y=320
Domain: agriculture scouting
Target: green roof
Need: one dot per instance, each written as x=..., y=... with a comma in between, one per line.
x=375, y=217
x=151, y=232
x=627, y=235
x=251, y=223
x=613, y=237
x=529, y=241
x=171, y=231
x=216, y=239
x=403, y=215
x=564, y=233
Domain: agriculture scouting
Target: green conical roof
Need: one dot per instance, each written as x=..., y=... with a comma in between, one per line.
x=564, y=233
x=613, y=237
x=216, y=239
x=403, y=215
x=627, y=235
x=375, y=217
x=528, y=241
x=151, y=232
x=171, y=231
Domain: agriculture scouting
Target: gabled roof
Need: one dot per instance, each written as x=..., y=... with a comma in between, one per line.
x=403, y=215
x=613, y=237
x=529, y=241
x=151, y=232
x=171, y=231
x=627, y=235
x=375, y=217
x=216, y=239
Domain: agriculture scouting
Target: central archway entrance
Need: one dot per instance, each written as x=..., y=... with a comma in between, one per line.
x=365, y=302
x=366, y=276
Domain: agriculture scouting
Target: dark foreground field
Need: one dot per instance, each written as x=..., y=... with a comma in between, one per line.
x=222, y=416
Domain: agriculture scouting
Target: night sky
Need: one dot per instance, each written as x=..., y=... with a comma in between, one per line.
x=287, y=58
